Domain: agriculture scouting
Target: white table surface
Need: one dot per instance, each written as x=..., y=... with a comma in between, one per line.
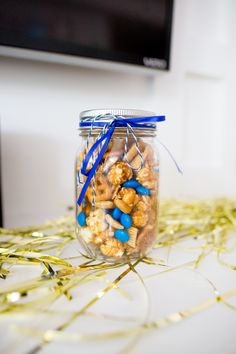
x=209, y=332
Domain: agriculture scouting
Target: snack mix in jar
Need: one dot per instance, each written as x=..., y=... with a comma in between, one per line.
x=117, y=177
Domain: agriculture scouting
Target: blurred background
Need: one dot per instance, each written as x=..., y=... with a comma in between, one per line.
x=42, y=94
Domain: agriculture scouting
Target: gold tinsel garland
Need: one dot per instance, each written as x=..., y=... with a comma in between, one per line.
x=209, y=225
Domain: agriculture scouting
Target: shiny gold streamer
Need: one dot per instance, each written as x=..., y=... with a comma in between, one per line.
x=171, y=319
x=210, y=225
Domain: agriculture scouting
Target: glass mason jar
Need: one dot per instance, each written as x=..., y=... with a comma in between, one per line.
x=118, y=215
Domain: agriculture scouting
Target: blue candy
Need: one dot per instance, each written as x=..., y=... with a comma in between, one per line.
x=143, y=190
x=122, y=235
x=132, y=183
x=126, y=220
x=116, y=213
x=81, y=218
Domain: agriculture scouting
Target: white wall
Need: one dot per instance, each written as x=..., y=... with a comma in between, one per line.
x=40, y=103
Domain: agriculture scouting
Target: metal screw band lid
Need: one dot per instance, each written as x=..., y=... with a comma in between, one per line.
x=89, y=114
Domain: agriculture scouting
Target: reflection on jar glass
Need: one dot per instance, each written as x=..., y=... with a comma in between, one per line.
x=118, y=215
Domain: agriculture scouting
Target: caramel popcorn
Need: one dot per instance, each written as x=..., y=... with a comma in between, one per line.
x=139, y=218
x=112, y=248
x=119, y=173
x=136, y=200
x=96, y=222
x=127, y=195
x=142, y=206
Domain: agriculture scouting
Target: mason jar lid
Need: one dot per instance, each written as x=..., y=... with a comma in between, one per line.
x=98, y=118
x=126, y=113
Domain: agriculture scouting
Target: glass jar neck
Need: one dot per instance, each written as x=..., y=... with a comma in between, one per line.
x=120, y=132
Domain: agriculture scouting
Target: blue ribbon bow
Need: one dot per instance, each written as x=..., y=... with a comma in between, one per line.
x=105, y=137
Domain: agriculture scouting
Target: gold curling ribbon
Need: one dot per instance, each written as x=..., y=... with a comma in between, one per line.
x=173, y=318
x=211, y=223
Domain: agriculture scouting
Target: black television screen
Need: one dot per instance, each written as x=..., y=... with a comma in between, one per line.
x=127, y=31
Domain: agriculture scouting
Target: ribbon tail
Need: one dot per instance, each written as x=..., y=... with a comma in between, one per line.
x=171, y=156
x=149, y=119
x=92, y=171
x=83, y=190
x=89, y=155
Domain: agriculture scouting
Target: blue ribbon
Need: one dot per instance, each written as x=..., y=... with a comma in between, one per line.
x=109, y=127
